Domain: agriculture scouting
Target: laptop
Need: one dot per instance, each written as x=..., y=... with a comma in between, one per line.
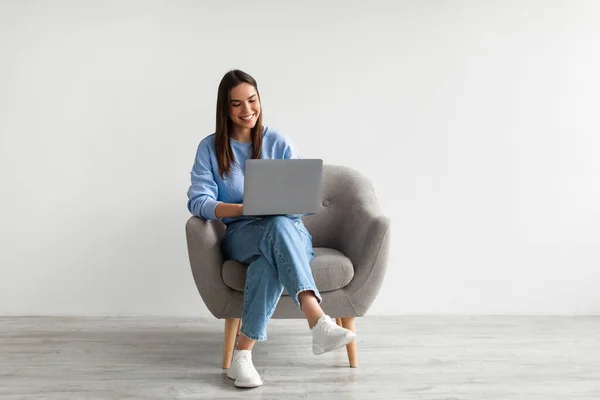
x=282, y=187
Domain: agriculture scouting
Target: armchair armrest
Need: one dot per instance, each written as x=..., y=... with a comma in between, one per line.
x=206, y=261
x=364, y=238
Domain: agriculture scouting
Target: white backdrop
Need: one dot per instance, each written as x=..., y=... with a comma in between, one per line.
x=477, y=122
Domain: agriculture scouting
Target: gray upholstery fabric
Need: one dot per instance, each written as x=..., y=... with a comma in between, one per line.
x=349, y=222
x=331, y=269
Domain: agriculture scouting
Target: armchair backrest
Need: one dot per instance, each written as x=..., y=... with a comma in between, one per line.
x=344, y=191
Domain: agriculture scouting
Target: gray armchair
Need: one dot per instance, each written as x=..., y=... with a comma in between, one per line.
x=351, y=245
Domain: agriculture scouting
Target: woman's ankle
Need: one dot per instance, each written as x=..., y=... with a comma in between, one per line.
x=310, y=307
x=245, y=343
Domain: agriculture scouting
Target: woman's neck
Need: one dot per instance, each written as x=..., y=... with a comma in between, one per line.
x=241, y=135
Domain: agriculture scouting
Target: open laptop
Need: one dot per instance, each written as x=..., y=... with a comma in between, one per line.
x=281, y=187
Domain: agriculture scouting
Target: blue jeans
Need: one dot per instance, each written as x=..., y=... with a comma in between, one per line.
x=278, y=250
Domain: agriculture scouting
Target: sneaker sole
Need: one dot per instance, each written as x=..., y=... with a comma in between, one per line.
x=247, y=385
x=349, y=338
x=244, y=384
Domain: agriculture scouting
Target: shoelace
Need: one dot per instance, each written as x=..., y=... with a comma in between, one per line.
x=246, y=358
x=329, y=326
x=240, y=360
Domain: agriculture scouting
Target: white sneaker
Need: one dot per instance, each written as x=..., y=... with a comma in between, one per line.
x=243, y=371
x=327, y=335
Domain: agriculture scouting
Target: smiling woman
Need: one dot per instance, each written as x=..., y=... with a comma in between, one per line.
x=239, y=117
x=243, y=113
x=277, y=248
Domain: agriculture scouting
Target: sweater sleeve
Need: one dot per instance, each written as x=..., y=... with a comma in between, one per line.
x=289, y=151
x=204, y=191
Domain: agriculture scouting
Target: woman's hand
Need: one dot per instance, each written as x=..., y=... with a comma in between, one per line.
x=229, y=210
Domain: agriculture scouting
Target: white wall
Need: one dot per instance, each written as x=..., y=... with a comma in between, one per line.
x=476, y=120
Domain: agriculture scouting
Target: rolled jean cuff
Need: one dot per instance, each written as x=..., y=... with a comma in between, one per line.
x=258, y=338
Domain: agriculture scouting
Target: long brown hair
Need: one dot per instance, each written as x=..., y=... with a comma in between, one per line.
x=223, y=148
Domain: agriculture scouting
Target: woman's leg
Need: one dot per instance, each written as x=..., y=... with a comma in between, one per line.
x=283, y=247
x=287, y=245
x=261, y=294
x=279, y=251
x=309, y=304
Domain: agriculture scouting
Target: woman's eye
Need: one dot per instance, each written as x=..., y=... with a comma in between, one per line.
x=252, y=101
x=235, y=105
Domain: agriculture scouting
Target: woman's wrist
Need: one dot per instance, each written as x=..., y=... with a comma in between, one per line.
x=229, y=210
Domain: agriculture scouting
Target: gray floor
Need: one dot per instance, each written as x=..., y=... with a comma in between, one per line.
x=399, y=358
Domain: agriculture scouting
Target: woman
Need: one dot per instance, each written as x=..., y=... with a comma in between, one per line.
x=278, y=249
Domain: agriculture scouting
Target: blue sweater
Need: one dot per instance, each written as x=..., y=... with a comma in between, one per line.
x=208, y=188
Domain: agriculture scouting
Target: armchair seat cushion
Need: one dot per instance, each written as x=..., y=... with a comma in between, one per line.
x=331, y=269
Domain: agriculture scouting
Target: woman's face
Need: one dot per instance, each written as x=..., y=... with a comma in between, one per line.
x=244, y=106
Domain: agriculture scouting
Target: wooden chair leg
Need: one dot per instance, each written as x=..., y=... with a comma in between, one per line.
x=348, y=323
x=239, y=327
x=231, y=328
